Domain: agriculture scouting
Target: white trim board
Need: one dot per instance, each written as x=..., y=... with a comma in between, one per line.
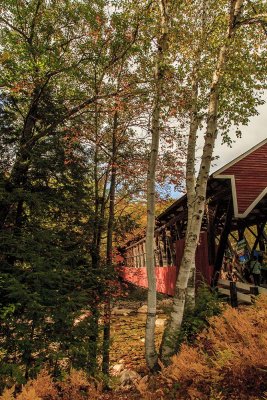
x=235, y=204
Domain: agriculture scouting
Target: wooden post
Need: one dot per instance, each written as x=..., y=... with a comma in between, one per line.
x=254, y=291
x=241, y=229
x=211, y=218
x=223, y=242
x=140, y=251
x=233, y=294
x=135, y=261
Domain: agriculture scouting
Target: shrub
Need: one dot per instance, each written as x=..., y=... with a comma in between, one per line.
x=76, y=386
x=195, y=320
x=228, y=360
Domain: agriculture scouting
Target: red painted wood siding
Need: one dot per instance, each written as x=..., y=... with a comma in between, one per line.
x=250, y=177
x=203, y=269
x=166, y=278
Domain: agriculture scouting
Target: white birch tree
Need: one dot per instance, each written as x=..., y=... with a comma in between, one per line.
x=196, y=186
x=150, y=349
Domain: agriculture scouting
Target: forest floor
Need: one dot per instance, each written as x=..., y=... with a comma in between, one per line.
x=128, y=337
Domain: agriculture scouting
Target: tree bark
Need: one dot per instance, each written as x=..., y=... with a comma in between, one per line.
x=190, y=179
x=107, y=307
x=195, y=120
x=19, y=172
x=150, y=348
x=197, y=212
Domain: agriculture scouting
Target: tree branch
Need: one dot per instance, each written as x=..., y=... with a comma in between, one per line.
x=259, y=18
x=34, y=21
x=255, y=11
x=5, y=21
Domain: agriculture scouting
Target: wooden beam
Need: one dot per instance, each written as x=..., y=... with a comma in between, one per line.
x=223, y=243
x=241, y=297
x=211, y=219
x=251, y=231
x=233, y=236
x=261, y=237
x=260, y=232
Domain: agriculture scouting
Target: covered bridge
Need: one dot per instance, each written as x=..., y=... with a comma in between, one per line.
x=233, y=228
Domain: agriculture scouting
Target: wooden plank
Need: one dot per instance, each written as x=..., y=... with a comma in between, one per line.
x=224, y=283
x=226, y=292
x=244, y=298
x=240, y=286
x=243, y=287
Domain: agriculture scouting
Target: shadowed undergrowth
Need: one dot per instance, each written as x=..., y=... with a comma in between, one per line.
x=228, y=360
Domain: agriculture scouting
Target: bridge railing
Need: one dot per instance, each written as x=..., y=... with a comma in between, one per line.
x=239, y=292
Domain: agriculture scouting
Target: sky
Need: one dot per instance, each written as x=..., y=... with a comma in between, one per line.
x=253, y=133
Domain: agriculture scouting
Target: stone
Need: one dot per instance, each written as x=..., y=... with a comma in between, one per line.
x=128, y=377
x=118, y=368
x=143, y=309
x=160, y=322
x=121, y=311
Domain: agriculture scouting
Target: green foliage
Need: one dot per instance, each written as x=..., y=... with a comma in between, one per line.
x=196, y=319
x=55, y=57
x=55, y=156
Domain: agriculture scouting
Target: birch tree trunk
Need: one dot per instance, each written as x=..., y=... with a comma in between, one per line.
x=190, y=182
x=195, y=119
x=197, y=204
x=150, y=349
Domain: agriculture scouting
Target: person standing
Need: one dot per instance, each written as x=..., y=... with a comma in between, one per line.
x=256, y=270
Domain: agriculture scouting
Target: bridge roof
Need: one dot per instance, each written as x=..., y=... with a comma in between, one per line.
x=248, y=175
x=244, y=180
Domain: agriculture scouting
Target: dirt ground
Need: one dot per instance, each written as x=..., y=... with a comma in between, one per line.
x=127, y=350
x=128, y=333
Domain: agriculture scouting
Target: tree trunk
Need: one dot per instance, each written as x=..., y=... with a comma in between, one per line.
x=190, y=179
x=95, y=254
x=150, y=348
x=107, y=307
x=19, y=172
x=195, y=119
x=197, y=205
